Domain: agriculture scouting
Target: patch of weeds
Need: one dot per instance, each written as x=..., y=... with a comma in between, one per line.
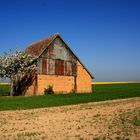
x=121, y=138
x=122, y=118
x=81, y=138
x=77, y=135
x=125, y=123
x=96, y=138
x=101, y=138
x=122, y=124
x=110, y=126
x=104, y=138
x=96, y=118
x=78, y=127
x=69, y=128
x=3, y=122
x=118, y=138
x=136, y=121
x=26, y=135
x=86, y=106
x=97, y=115
x=30, y=134
x=14, y=129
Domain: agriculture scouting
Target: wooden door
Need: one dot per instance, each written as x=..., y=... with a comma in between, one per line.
x=44, y=66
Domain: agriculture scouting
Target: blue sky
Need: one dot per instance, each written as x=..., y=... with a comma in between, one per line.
x=105, y=34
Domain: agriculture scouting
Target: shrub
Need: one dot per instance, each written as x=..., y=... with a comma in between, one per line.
x=48, y=90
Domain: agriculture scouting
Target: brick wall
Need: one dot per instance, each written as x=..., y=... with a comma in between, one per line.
x=61, y=84
x=83, y=79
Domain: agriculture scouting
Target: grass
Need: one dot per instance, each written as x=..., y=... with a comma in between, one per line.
x=103, y=83
x=4, y=89
x=100, y=93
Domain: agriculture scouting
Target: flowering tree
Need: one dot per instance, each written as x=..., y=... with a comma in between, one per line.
x=16, y=66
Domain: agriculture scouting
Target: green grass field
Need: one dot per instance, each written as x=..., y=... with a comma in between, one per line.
x=4, y=89
x=100, y=93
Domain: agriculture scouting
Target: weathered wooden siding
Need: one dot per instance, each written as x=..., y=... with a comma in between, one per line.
x=57, y=60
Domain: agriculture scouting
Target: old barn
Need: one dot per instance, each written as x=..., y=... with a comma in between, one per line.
x=59, y=67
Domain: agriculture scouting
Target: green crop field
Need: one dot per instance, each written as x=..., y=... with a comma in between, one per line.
x=100, y=93
x=4, y=89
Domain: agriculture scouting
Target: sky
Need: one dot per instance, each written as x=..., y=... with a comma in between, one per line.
x=104, y=34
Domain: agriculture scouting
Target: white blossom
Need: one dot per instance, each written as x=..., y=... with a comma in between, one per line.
x=18, y=63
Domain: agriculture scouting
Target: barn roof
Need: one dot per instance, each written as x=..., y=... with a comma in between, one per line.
x=39, y=47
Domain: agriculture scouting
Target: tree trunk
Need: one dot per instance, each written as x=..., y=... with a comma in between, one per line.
x=12, y=87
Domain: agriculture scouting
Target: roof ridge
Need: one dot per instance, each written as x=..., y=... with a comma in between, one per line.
x=40, y=45
x=36, y=42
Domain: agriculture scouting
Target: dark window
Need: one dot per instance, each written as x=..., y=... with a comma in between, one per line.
x=59, y=67
x=44, y=66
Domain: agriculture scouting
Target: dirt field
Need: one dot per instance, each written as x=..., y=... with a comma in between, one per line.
x=118, y=119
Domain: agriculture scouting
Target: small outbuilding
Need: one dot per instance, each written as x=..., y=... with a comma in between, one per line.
x=59, y=67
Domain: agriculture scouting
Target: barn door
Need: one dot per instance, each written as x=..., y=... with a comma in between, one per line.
x=44, y=64
x=59, y=67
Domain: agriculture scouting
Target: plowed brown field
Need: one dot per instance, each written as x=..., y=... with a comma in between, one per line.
x=118, y=119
